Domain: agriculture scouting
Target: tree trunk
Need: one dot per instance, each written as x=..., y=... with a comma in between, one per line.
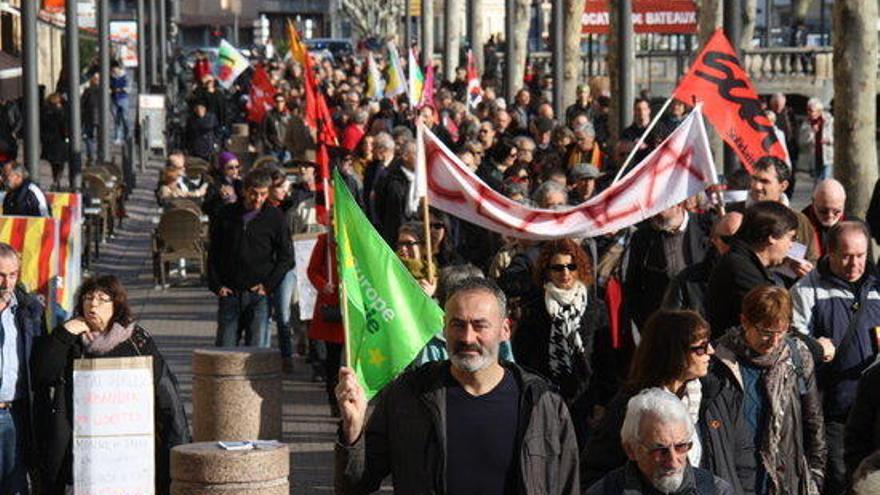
x=517, y=42
x=750, y=14
x=427, y=32
x=800, y=8
x=572, y=65
x=452, y=34
x=855, y=93
x=475, y=32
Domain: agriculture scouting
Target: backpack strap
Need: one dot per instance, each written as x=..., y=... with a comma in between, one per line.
x=798, y=362
x=705, y=481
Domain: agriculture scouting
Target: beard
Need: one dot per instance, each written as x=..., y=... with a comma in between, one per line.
x=472, y=363
x=668, y=481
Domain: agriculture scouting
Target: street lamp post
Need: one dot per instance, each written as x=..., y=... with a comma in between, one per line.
x=30, y=86
x=104, y=62
x=74, y=125
x=558, y=58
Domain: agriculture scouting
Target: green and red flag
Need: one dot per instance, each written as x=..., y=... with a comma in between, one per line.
x=388, y=318
x=230, y=64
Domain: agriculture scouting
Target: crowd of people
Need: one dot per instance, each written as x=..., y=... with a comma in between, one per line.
x=709, y=349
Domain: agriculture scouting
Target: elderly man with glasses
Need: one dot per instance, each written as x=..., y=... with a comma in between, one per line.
x=657, y=436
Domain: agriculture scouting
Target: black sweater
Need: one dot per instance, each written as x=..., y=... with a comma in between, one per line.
x=242, y=256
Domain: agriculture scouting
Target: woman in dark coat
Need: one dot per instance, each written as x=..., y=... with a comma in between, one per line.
x=675, y=354
x=202, y=132
x=556, y=333
x=53, y=137
x=102, y=327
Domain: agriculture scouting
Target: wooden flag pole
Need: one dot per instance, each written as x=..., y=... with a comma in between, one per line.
x=429, y=255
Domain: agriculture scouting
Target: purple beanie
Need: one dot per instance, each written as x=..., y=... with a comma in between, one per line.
x=226, y=157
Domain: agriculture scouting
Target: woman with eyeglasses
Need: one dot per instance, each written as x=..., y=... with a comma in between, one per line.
x=442, y=247
x=557, y=328
x=102, y=326
x=675, y=354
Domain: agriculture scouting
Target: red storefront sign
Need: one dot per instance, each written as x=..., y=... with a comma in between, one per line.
x=649, y=16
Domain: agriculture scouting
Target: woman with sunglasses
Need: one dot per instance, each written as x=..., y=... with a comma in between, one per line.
x=225, y=186
x=555, y=333
x=675, y=354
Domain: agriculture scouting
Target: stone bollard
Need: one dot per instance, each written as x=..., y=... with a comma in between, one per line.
x=206, y=469
x=236, y=394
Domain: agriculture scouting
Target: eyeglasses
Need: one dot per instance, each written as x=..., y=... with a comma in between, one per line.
x=828, y=211
x=657, y=452
x=232, y=167
x=770, y=333
x=701, y=349
x=438, y=225
x=559, y=267
x=92, y=298
x=407, y=243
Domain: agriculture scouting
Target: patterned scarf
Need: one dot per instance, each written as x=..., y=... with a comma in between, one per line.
x=100, y=343
x=566, y=308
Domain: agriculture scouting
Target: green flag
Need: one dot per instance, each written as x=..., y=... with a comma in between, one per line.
x=388, y=318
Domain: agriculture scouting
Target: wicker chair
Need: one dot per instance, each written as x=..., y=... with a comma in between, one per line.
x=180, y=234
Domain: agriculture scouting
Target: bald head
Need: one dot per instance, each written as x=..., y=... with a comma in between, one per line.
x=829, y=199
x=725, y=228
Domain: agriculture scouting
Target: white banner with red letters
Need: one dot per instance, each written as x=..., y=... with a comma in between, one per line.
x=679, y=168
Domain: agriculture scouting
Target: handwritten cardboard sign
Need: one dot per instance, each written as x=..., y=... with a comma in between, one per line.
x=113, y=426
x=303, y=245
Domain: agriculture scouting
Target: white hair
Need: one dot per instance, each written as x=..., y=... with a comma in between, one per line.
x=660, y=405
x=816, y=104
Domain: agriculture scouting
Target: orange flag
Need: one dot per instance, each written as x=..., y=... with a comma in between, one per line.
x=730, y=102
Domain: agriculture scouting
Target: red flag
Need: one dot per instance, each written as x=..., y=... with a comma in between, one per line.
x=326, y=138
x=428, y=89
x=730, y=102
x=262, y=95
x=474, y=91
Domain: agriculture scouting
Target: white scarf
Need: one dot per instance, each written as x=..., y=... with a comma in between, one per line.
x=566, y=308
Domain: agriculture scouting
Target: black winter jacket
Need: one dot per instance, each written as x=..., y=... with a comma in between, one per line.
x=646, y=275
x=724, y=436
x=405, y=437
x=242, y=256
x=862, y=434
x=53, y=389
x=736, y=273
x=391, y=194
x=26, y=201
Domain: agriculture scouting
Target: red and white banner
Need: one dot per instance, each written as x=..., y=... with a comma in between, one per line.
x=649, y=16
x=261, y=97
x=679, y=168
x=474, y=91
x=717, y=79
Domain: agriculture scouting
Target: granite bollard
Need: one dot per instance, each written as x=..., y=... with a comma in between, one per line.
x=208, y=469
x=236, y=394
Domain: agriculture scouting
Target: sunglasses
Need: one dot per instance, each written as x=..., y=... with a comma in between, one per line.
x=701, y=349
x=232, y=167
x=558, y=268
x=679, y=448
x=407, y=243
x=438, y=226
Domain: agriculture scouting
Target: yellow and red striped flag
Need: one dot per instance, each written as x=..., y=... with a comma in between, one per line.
x=67, y=209
x=36, y=238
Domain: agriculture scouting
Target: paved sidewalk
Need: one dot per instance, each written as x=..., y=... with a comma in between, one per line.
x=182, y=319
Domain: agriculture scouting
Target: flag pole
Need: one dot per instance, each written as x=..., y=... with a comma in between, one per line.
x=641, y=140
x=421, y=175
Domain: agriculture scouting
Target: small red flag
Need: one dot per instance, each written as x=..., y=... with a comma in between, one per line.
x=730, y=102
x=261, y=96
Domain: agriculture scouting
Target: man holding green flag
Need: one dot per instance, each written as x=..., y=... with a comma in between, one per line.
x=468, y=425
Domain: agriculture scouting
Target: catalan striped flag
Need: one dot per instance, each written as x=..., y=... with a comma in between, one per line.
x=67, y=209
x=36, y=238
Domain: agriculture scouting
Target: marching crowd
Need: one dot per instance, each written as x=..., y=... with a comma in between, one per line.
x=708, y=349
